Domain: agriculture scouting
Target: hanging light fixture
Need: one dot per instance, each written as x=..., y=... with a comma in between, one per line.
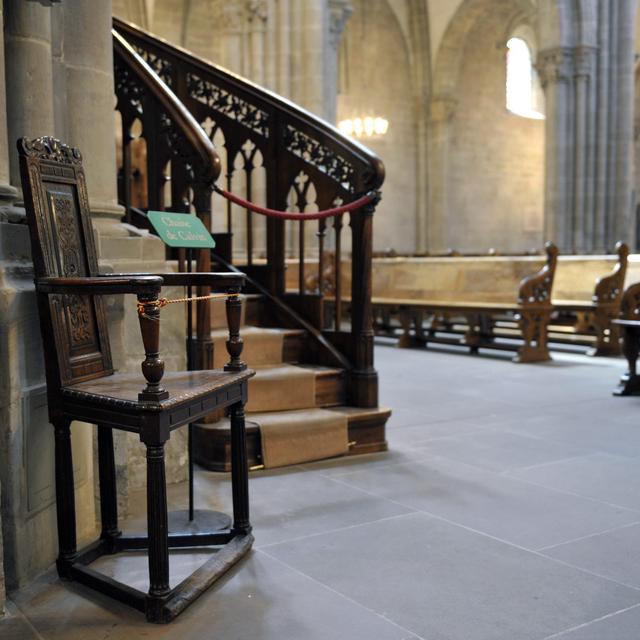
x=364, y=127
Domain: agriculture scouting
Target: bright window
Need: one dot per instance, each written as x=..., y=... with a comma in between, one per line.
x=522, y=84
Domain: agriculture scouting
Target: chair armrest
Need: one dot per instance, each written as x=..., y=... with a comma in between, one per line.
x=101, y=285
x=219, y=281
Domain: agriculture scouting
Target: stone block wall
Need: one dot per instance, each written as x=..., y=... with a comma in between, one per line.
x=496, y=158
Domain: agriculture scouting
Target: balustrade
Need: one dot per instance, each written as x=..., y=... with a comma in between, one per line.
x=268, y=151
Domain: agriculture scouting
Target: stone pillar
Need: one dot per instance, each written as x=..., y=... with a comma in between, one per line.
x=257, y=15
x=27, y=39
x=555, y=69
x=3, y=594
x=623, y=225
x=583, y=212
x=7, y=193
x=339, y=13
x=88, y=64
x=441, y=114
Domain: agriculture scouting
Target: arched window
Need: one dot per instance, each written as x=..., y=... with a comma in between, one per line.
x=523, y=87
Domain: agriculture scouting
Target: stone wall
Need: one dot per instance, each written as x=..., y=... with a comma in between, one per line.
x=375, y=81
x=3, y=593
x=496, y=158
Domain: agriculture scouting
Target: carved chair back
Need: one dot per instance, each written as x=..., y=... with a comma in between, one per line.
x=74, y=327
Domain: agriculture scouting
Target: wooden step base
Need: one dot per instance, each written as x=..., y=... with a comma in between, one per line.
x=212, y=442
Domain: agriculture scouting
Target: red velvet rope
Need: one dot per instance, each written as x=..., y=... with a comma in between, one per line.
x=287, y=215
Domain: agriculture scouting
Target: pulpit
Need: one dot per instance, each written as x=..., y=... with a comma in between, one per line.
x=82, y=385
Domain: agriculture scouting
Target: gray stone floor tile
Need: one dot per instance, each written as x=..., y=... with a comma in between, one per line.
x=619, y=626
x=499, y=451
x=504, y=507
x=287, y=504
x=584, y=426
x=446, y=583
x=339, y=466
x=615, y=555
x=14, y=626
x=600, y=476
x=260, y=598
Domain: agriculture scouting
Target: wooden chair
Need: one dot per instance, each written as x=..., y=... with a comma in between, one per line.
x=82, y=385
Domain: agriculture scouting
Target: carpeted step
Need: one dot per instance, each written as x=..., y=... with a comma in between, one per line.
x=365, y=428
x=292, y=437
x=286, y=387
x=262, y=346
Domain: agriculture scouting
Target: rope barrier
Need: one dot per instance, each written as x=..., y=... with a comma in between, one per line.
x=160, y=303
x=288, y=215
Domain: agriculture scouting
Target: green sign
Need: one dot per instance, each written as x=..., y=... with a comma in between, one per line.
x=181, y=230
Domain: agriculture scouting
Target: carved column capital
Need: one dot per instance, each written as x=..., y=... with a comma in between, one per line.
x=257, y=10
x=585, y=61
x=555, y=65
x=231, y=17
x=339, y=13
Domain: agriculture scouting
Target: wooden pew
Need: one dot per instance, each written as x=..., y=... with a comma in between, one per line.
x=478, y=290
x=591, y=310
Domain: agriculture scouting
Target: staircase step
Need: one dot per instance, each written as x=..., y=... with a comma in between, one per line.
x=286, y=387
x=212, y=442
x=262, y=346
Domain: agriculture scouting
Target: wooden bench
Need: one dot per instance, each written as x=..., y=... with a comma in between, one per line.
x=590, y=311
x=479, y=291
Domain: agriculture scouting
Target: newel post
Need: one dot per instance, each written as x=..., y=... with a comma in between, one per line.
x=363, y=383
x=204, y=344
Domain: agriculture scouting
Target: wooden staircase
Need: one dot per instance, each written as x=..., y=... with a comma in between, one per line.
x=212, y=439
x=173, y=106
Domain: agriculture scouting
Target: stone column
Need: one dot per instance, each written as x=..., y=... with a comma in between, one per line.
x=583, y=219
x=27, y=40
x=3, y=594
x=441, y=114
x=339, y=13
x=257, y=15
x=623, y=224
x=555, y=69
x=7, y=193
x=88, y=63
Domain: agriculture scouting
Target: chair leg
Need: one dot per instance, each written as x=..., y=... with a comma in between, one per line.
x=108, y=490
x=239, y=470
x=65, y=497
x=157, y=522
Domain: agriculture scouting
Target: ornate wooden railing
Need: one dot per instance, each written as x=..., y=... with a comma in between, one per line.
x=270, y=152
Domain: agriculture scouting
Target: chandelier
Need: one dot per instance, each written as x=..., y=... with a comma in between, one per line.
x=366, y=127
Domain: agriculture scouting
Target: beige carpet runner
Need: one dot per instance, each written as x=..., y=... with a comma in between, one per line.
x=281, y=388
x=282, y=399
x=261, y=346
x=301, y=436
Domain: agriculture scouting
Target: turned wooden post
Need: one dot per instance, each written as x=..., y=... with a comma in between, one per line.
x=234, y=343
x=204, y=343
x=239, y=470
x=363, y=389
x=153, y=366
x=65, y=496
x=108, y=490
x=157, y=521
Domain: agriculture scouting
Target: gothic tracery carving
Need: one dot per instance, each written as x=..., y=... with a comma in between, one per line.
x=232, y=106
x=320, y=156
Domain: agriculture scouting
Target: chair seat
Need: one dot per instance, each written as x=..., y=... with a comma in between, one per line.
x=121, y=389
